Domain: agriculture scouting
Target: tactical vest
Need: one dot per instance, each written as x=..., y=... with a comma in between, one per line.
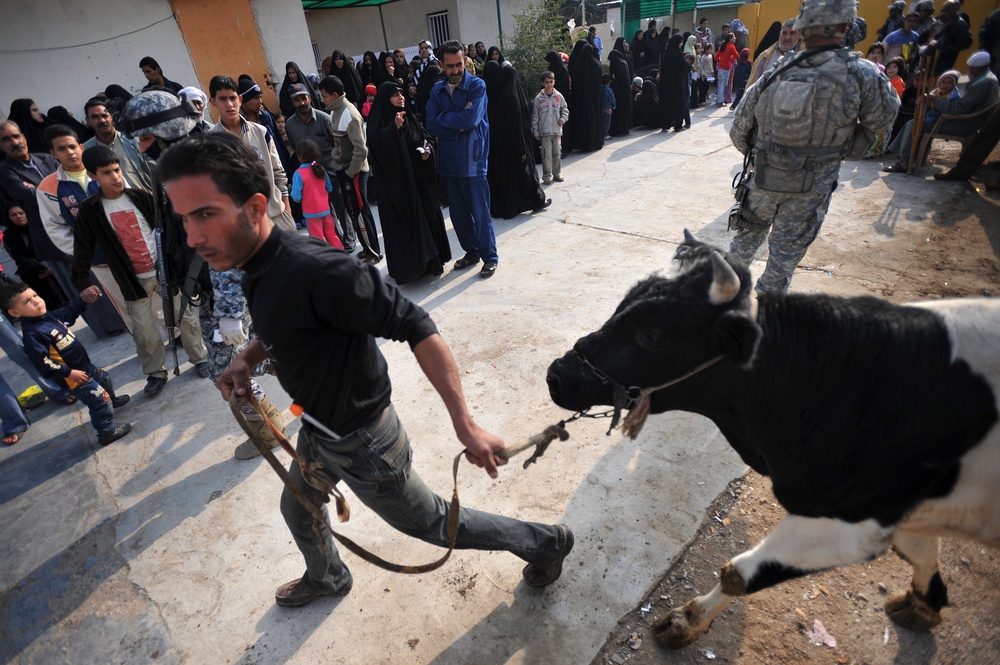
x=804, y=118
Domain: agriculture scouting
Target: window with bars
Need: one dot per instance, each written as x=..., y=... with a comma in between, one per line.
x=437, y=28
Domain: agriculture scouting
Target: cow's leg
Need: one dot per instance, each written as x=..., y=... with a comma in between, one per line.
x=797, y=546
x=919, y=608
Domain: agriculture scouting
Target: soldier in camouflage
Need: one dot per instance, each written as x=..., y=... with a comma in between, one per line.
x=800, y=120
x=226, y=328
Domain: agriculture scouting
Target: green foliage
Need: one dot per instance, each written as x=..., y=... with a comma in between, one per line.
x=538, y=30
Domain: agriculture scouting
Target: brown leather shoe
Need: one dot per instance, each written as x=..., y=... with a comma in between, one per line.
x=544, y=574
x=303, y=591
x=950, y=175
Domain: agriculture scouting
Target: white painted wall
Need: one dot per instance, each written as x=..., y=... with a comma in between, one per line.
x=284, y=34
x=357, y=30
x=43, y=58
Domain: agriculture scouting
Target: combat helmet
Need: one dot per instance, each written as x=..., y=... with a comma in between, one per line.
x=160, y=113
x=823, y=17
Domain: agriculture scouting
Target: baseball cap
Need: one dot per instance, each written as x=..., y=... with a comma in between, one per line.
x=299, y=89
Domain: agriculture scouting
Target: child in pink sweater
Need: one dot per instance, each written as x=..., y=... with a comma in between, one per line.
x=311, y=187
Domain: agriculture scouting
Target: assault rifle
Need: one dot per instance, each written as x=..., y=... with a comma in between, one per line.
x=168, y=282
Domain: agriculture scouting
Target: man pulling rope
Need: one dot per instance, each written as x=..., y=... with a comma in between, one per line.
x=318, y=312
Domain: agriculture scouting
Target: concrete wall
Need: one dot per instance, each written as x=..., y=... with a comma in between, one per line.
x=357, y=30
x=42, y=57
x=284, y=34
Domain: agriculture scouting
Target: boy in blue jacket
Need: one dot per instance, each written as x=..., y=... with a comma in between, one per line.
x=56, y=352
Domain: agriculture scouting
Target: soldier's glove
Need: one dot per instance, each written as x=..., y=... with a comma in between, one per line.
x=232, y=331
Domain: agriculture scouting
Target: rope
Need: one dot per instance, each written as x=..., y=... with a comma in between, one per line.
x=320, y=521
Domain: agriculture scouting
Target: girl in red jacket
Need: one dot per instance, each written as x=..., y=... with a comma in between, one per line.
x=311, y=187
x=725, y=60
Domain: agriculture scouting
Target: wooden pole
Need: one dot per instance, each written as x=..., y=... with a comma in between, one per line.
x=920, y=111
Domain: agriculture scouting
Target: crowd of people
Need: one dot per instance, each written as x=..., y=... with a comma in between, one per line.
x=359, y=133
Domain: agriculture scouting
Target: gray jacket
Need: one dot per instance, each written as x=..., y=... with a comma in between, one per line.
x=547, y=113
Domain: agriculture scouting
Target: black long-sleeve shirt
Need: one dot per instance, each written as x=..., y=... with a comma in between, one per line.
x=317, y=311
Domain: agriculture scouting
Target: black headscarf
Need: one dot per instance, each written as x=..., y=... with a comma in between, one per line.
x=60, y=115
x=34, y=132
x=353, y=89
x=557, y=67
x=586, y=128
x=396, y=76
x=368, y=70
x=412, y=224
x=674, y=80
x=432, y=74
x=621, y=84
x=511, y=172
x=285, y=97
x=770, y=37
x=648, y=114
x=634, y=46
x=491, y=51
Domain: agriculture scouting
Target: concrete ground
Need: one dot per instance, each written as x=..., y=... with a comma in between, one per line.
x=163, y=548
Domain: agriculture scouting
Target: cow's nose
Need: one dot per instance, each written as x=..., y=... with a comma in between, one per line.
x=553, y=382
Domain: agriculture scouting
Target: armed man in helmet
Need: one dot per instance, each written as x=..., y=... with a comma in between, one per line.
x=160, y=118
x=797, y=123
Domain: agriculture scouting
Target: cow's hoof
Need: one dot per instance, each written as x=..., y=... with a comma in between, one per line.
x=673, y=630
x=912, y=612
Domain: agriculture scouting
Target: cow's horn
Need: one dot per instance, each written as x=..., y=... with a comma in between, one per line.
x=725, y=282
x=690, y=237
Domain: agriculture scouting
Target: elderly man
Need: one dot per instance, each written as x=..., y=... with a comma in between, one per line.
x=20, y=174
x=953, y=38
x=981, y=93
x=136, y=167
x=788, y=42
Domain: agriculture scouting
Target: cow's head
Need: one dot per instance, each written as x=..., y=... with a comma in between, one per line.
x=662, y=330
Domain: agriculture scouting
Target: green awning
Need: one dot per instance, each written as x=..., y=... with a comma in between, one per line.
x=342, y=4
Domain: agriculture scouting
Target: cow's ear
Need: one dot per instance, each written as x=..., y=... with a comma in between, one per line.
x=736, y=336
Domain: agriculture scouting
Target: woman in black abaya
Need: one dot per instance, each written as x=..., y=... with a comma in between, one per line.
x=416, y=241
x=32, y=123
x=586, y=131
x=511, y=172
x=648, y=114
x=59, y=115
x=674, y=78
x=353, y=88
x=368, y=70
x=621, y=84
x=294, y=75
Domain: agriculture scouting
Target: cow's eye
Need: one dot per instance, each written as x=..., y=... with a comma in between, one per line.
x=654, y=337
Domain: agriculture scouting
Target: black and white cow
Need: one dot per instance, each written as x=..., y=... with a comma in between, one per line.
x=877, y=423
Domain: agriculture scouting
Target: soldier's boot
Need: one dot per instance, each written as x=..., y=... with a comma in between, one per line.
x=256, y=428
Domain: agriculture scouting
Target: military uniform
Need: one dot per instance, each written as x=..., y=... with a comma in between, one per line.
x=800, y=126
x=225, y=300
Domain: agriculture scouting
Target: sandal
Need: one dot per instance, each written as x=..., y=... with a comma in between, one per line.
x=466, y=261
x=896, y=168
x=11, y=439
